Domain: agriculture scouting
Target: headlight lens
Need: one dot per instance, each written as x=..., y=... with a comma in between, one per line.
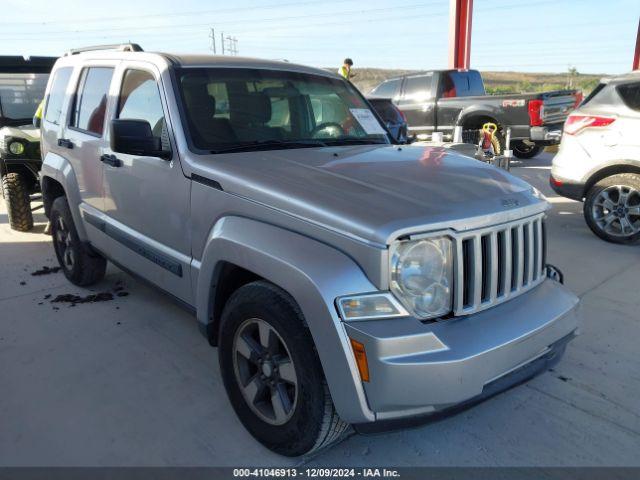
x=17, y=148
x=421, y=276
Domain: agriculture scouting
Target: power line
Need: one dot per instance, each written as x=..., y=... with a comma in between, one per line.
x=217, y=11
x=243, y=22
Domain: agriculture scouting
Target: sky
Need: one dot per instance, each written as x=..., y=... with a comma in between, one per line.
x=593, y=36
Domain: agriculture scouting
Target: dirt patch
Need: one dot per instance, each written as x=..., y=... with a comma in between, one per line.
x=45, y=271
x=73, y=300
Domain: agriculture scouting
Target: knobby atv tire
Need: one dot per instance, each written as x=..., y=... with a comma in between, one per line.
x=314, y=424
x=16, y=197
x=89, y=267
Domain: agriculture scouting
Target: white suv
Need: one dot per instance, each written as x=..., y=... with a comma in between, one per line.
x=599, y=159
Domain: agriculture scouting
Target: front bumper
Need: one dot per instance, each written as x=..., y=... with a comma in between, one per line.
x=421, y=368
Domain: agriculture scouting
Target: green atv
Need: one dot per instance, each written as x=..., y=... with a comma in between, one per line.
x=22, y=86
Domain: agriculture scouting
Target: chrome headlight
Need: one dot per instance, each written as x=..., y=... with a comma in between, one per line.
x=422, y=275
x=16, y=148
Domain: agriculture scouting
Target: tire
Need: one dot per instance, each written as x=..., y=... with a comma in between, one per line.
x=612, y=208
x=525, y=151
x=79, y=263
x=302, y=419
x=16, y=196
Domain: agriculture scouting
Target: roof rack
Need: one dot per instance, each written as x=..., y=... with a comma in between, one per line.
x=120, y=47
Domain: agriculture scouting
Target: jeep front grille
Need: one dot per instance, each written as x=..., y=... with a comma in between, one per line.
x=497, y=263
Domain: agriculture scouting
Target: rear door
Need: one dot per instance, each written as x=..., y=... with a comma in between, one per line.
x=453, y=90
x=83, y=139
x=417, y=102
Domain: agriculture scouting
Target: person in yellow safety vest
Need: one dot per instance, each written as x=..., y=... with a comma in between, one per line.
x=37, y=117
x=345, y=69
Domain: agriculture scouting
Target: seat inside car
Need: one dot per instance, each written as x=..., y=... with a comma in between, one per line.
x=249, y=114
x=201, y=110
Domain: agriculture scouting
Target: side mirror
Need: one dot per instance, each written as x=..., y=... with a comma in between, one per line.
x=36, y=122
x=135, y=138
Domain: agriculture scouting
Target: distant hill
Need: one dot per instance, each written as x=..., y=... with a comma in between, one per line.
x=495, y=82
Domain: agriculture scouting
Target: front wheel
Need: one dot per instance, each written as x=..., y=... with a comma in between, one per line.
x=272, y=373
x=612, y=208
x=524, y=150
x=16, y=197
x=79, y=263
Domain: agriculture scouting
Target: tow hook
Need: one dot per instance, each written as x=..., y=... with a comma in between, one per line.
x=554, y=273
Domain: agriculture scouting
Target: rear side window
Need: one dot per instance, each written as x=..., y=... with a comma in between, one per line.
x=388, y=89
x=461, y=84
x=418, y=87
x=55, y=101
x=593, y=93
x=630, y=94
x=91, y=100
x=386, y=110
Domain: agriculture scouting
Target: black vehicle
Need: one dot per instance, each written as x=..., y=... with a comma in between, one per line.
x=392, y=116
x=440, y=100
x=22, y=85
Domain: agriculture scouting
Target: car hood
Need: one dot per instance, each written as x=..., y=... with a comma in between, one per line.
x=376, y=192
x=26, y=132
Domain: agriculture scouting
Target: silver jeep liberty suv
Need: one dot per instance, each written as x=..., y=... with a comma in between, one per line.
x=345, y=280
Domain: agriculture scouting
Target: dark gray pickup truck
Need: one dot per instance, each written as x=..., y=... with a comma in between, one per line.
x=439, y=100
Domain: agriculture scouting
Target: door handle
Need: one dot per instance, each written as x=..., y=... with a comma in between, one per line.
x=111, y=160
x=65, y=142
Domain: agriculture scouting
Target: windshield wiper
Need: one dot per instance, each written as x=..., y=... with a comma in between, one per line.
x=262, y=144
x=355, y=141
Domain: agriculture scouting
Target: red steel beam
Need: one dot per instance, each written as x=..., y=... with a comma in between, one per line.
x=460, y=20
x=636, y=56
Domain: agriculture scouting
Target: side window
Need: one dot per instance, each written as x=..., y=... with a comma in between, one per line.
x=91, y=100
x=630, y=94
x=387, y=89
x=140, y=100
x=418, y=88
x=55, y=100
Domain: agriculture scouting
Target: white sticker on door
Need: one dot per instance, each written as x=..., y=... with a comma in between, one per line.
x=367, y=120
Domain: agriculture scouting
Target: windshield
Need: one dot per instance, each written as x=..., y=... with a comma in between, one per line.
x=21, y=93
x=232, y=109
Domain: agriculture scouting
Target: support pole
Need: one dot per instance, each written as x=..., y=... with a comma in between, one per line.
x=460, y=21
x=636, y=56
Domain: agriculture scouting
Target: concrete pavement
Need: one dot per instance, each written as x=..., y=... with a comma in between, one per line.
x=132, y=382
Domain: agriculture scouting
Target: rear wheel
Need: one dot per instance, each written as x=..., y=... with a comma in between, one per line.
x=16, y=197
x=272, y=373
x=80, y=265
x=524, y=150
x=612, y=208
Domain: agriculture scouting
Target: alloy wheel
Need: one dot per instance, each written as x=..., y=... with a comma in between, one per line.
x=616, y=210
x=265, y=371
x=63, y=241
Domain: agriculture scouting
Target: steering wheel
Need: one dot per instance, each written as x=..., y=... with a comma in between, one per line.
x=334, y=129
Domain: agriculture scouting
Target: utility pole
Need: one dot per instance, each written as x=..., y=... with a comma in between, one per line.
x=222, y=41
x=212, y=36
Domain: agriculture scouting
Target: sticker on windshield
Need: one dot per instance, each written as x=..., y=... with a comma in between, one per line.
x=367, y=120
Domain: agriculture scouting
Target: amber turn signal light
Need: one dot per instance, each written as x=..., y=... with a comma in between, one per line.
x=361, y=359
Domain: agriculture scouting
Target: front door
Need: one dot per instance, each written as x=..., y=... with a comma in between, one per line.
x=146, y=199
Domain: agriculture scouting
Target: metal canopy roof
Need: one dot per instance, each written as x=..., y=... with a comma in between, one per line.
x=18, y=64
